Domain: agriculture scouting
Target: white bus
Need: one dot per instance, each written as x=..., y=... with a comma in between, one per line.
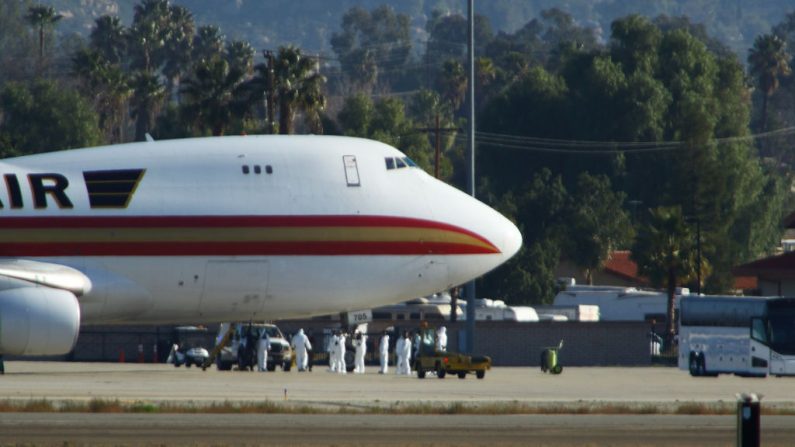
x=746, y=336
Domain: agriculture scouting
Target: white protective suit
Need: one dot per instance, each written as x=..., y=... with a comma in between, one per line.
x=361, y=350
x=383, y=350
x=399, y=355
x=441, y=339
x=263, y=346
x=301, y=344
x=342, y=368
x=333, y=348
x=405, y=367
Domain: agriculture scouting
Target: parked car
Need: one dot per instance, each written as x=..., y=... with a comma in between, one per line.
x=188, y=356
x=242, y=348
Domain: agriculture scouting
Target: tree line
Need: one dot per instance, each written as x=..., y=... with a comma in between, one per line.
x=655, y=138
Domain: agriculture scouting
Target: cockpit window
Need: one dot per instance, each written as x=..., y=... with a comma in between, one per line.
x=399, y=163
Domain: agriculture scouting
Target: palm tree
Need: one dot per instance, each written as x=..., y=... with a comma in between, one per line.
x=452, y=83
x=298, y=85
x=485, y=74
x=215, y=95
x=240, y=56
x=208, y=44
x=109, y=38
x=665, y=253
x=42, y=17
x=768, y=60
x=148, y=34
x=146, y=99
x=179, y=46
x=107, y=85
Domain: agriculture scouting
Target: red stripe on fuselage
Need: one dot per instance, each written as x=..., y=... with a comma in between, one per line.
x=249, y=248
x=241, y=249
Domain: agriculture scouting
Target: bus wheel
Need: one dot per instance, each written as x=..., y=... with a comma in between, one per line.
x=702, y=367
x=695, y=365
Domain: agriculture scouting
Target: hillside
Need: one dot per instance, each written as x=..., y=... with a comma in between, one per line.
x=310, y=23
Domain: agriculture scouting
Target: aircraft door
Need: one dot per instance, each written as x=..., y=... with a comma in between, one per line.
x=351, y=170
x=234, y=289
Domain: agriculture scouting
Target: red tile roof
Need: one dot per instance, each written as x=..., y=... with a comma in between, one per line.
x=620, y=264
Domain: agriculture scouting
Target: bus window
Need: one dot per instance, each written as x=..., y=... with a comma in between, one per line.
x=758, y=330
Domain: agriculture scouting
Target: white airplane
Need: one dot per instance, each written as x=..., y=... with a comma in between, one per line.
x=227, y=229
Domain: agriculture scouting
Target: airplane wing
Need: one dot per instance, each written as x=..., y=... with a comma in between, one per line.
x=39, y=312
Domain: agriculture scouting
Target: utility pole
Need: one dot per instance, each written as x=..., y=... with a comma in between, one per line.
x=438, y=148
x=470, y=286
x=437, y=130
x=269, y=103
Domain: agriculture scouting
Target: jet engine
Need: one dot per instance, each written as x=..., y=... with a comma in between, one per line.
x=38, y=321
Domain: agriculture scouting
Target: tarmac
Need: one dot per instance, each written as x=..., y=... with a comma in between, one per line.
x=642, y=387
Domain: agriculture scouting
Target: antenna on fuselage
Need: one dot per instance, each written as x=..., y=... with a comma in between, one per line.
x=149, y=138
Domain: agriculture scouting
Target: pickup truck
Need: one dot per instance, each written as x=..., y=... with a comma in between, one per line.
x=280, y=353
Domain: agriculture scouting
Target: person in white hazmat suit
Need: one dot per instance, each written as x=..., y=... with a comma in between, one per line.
x=401, y=342
x=383, y=351
x=360, y=343
x=333, y=347
x=405, y=367
x=263, y=346
x=441, y=339
x=301, y=345
x=342, y=368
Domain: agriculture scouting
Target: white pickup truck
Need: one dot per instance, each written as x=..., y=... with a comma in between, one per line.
x=246, y=335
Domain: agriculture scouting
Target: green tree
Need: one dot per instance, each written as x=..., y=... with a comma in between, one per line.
x=540, y=209
x=179, y=45
x=240, y=56
x=43, y=116
x=768, y=61
x=42, y=18
x=108, y=86
x=664, y=250
x=215, y=96
x=109, y=39
x=371, y=41
x=452, y=83
x=385, y=121
x=17, y=46
x=208, y=44
x=148, y=34
x=146, y=100
x=598, y=223
x=298, y=86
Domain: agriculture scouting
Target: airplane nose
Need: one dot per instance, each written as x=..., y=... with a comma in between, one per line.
x=511, y=240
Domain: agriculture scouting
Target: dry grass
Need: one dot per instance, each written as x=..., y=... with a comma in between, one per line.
x=397, y=408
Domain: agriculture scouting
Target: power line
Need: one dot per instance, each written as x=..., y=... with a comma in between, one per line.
x=590, y=147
